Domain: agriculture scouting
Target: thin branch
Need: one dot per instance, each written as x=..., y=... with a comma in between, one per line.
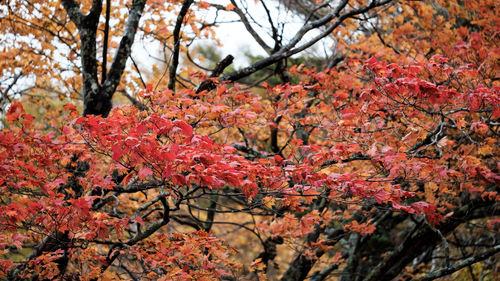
x=248, y=150
x=351, y=158
x=175, y=55
x=138, y=71
x=426, y=237
x=250, y=29
x=5, y=93
x=113, y=252
x=134, y=101
x=323, y=274
x=270, y=20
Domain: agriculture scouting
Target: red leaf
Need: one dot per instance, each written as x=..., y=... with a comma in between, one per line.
x=496, y=112
x=69, y=107
x=429, y=211
x=408, y=209
x=179, y=179
x=117, y=151
x=381, y=196
x=249, y=188
x=15, y=110
x=83, y=205
x=186, y=129
x=144, y=172
x=17, y=240
x=168, y=155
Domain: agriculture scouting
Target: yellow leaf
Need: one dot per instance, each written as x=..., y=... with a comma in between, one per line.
x=430, y=188
x=485, y=150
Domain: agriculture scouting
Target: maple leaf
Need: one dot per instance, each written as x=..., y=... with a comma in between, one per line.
x=186, y=129
x=17, y=240
x=144, y=172
x=14, y=112
x=118, y=152
x=249, y=188
x=363, y=228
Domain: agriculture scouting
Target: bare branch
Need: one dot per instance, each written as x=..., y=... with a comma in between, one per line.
x=5, y=93
x=175, y=55
x=134, y=101
x=138, y=71
x=426, y=237
x=250, y=29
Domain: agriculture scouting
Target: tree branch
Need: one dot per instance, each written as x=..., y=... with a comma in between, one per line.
x=138, y=72
x=354, y=157
x=211, y=213
x=248, y=150
x=87, y=28
x=467, y=262
x=219, y=68
x=73, y=10
x=113, y=253
x=105, y=47
x=94, y=13
x=250, y=29
x=176, y=34
x=5, y=93
x=99, y=102
x=426, y=237
x=290, y=49
x=134, y=101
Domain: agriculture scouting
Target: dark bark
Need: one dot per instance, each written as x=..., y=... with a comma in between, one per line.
x=51, y=243
x=250, y=29
x=426, y=237
x=58, y=240
x=209, y=84
x=4, y=94
x=274, y=135
x=177, y=36
x=302, y=264
x=97, y=98
x=299, y=268
x=209, y=222
x=270, y=250
x=99, y=102
x=418, y=241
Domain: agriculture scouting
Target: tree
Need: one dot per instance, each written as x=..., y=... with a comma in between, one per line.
x=381, y=165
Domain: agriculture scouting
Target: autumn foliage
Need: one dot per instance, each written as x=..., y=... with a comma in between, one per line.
x=373, y=169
